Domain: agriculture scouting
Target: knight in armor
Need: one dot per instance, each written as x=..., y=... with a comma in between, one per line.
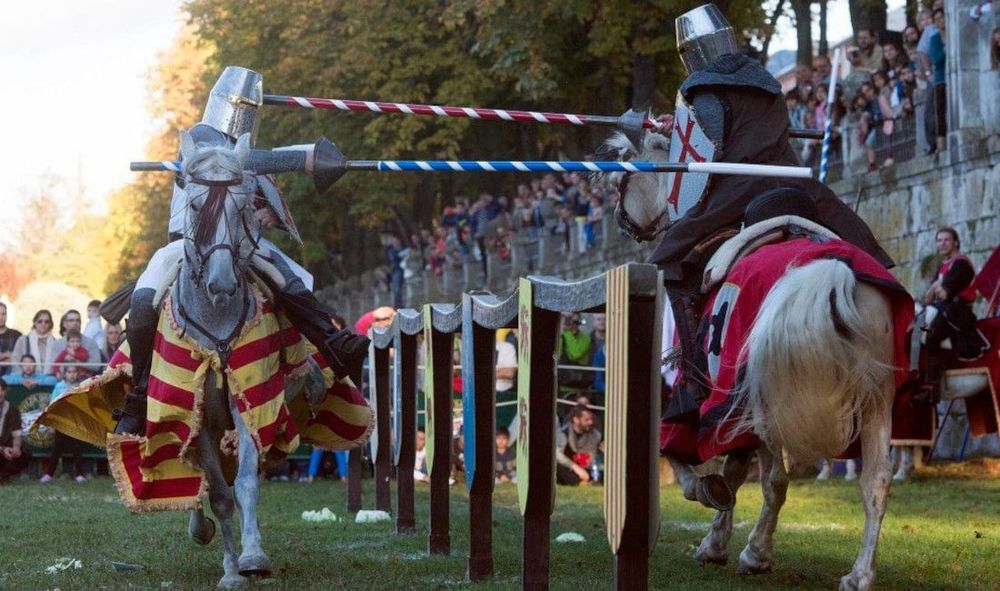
x=951, y=295
x=232, y=111
x=739, y=107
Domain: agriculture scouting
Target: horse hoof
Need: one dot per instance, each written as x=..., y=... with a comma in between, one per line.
x=232, y=582
x=714, y=493
x=256, y=565
x=751, y=564
x=204, y=534
x=856, y=581
x=709, y=555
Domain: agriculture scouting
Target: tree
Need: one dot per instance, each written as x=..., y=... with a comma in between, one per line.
x=14, y=275
x=577, y=56
x=868, y=14
x=139, y=212
x=803, y=31
x=824, y=44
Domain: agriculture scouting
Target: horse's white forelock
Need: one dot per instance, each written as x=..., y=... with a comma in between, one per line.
x=205, y=158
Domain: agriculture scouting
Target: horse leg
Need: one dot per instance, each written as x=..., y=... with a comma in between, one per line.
x=714, y=547
x=905, y=455
x=253, y=560
x=711, y=489
x=221, y=499
x=757, y=555
x=201, y=528
x=875, y=480
x=685, y=477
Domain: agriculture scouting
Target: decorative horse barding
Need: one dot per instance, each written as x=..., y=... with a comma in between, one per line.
x=226, y=374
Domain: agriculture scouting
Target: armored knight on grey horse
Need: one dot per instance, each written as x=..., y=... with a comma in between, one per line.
x=233, y=110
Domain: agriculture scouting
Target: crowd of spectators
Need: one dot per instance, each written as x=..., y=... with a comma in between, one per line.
x=877, y=97
x=472, y=231
x=50, y=361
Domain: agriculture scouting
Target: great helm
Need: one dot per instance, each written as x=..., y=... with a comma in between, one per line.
x=703, y=34
x=234, y=103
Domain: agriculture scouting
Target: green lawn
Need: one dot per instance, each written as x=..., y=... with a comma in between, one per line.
x=942, y=531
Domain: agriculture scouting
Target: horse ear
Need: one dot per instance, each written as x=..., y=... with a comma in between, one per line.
x=187, y=145
x=243, y=148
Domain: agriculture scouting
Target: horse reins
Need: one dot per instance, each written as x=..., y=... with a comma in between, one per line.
x=222, y=344
x=198, y=269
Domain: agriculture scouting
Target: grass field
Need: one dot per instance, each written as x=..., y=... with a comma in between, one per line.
x=942, y=531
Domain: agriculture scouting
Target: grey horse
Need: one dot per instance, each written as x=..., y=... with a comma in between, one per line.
x=215, y=301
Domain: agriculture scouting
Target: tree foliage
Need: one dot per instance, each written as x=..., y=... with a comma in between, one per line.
x=583, y=56
x=138, y=212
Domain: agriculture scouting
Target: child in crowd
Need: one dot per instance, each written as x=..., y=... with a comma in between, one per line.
x=64, y=444
x=72, y=376
x=506, y=458
x=28, y=376
x=74, y=351
x=420, y=462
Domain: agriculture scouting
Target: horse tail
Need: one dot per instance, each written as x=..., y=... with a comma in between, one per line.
x=814, y=360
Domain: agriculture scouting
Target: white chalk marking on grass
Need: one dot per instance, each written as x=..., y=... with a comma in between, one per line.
x=366, y=516
x=322, y=515
x=64, y=564
x=704, y=526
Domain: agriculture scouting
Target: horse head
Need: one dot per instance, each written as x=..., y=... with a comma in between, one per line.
x=642, y=206
x=220, y=229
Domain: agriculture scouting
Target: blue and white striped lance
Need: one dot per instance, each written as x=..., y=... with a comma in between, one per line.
x=726, y=168
x=824, y=161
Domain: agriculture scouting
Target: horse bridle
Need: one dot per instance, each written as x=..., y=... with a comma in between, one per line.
x=628, y=225
x=222, y=344
x=198, y=266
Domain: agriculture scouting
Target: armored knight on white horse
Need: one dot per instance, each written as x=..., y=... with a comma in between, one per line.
x=789, y=328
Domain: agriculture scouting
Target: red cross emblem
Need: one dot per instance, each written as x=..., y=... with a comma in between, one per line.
x=684, y=135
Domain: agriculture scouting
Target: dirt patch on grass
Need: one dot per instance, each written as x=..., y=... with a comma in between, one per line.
x=977, y=469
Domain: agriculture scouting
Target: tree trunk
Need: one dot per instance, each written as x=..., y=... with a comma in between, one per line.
x=824, y=44
x=723, y=5
x=912, y=8
x=778, y=11
x=803, y=30
x=868, y=14
x=643, y=81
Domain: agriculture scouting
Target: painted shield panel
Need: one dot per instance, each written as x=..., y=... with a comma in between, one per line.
x=468, y=395
x=397, y=398
x=615, y=438
x=688, y=143
x=428, y=389
x=373, y=400
x=524, y=308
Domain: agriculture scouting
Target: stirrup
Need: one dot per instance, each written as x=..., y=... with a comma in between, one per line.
x=131, y=418
x=714, y=492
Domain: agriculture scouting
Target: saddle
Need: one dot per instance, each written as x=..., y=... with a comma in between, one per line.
x=750, y=238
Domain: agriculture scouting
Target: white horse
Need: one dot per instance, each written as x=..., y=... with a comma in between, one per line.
x=214, y=301
x=818, y=374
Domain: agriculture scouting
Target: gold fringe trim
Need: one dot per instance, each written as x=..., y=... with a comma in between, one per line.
x=116, y=465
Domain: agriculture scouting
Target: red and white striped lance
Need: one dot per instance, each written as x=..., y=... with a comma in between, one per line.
x=446, y=111
x=480, y=113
